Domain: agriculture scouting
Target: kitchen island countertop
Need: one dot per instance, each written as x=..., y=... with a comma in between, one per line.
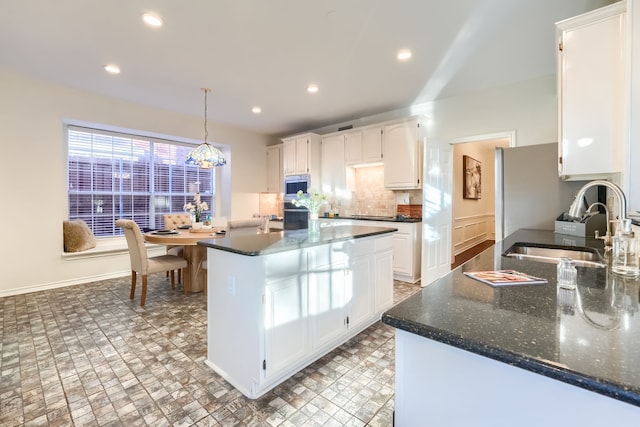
x=590, y=339
x=255, y=244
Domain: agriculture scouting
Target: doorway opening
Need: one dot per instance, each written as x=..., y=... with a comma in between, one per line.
x=473, y=196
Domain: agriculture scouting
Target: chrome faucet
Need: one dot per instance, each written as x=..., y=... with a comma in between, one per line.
x=576, y=210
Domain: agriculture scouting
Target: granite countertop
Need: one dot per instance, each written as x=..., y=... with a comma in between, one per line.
x=254, y=244
x=589, y=337
x=397, y=218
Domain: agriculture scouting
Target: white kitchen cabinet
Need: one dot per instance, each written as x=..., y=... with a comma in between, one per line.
x=592, y=90
x=353, y=148
x=372, y=144
x=301, y=154
x=332, y=166
x=363, y=146
x=327, y=309
x=275, y=169
x=286, y=328
x=383, y=273
x=402, y=155
x=407, y=247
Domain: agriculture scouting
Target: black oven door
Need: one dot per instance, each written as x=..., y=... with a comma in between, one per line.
x=295, y=218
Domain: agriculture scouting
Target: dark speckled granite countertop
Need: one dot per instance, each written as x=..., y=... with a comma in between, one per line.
x=253, y=243
x=397, y=218
x=589, y=337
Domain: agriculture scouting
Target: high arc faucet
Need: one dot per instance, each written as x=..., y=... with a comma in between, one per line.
x=576, y=211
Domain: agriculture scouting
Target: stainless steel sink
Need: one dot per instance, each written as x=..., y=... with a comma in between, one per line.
x=582, y=257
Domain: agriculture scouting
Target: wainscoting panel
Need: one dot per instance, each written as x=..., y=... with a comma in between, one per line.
x=469, y=231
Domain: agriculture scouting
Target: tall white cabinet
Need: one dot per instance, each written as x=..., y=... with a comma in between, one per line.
x=402, y=153
x=592, y=93
x=275, y=169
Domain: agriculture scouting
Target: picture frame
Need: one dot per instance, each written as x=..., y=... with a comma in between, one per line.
x=471, y=178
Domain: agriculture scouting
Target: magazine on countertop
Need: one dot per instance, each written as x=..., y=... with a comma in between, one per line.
x=505, y=278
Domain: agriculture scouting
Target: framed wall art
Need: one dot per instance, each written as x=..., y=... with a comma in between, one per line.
x=472, y=178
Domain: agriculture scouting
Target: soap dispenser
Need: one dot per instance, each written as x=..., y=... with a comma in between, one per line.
x=625, y=250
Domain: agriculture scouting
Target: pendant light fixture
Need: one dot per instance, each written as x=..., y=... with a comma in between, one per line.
x=205, y=155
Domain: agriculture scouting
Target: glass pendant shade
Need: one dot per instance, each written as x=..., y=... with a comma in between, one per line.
x=205, y=155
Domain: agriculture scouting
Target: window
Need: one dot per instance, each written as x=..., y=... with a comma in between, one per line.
x=113, y=175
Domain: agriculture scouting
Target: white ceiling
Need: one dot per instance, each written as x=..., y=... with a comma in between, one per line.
x=266, y=52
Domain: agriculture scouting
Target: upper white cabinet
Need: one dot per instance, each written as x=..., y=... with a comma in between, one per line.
x=372, y=144
x=363, y=146
x=301, y=154
x=402, y=154
x=332, y=165
x=275, y=169
x=592, y=90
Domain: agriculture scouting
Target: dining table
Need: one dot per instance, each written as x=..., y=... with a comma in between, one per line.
x=194, y=277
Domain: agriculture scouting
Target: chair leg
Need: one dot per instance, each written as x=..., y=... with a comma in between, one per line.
x=173, y=279
x=133, y=284
x=180, y=276
x=144, y=290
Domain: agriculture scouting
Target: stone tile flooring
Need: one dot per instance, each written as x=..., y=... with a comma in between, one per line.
x=88, y=356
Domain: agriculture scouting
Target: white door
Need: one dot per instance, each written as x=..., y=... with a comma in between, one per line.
x=436, y=210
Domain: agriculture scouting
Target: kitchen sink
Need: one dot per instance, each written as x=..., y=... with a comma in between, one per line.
x=582, y=257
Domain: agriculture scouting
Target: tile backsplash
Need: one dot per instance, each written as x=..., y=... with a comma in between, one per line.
x=369, y=197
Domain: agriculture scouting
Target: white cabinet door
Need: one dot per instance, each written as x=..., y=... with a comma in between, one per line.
x=296, y=155
x=332, y=167
x=353, y=148
x=383, y=274
x=286, y=327
x=402, y=253
x=592, y=86
x=327, y=303
x=275, y=169
x=401, y=152
x=372, y=144
x=360, y=288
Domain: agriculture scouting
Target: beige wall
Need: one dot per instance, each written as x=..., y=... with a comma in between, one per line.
x=33, y=175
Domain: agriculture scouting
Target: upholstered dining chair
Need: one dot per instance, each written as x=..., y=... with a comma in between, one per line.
x=171, y=222
x=141, y=263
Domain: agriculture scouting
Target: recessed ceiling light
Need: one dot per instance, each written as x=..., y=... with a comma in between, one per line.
x=404, y=55
x=312, y=88
x=256, y=110
x=112, y=69
x=152, y=20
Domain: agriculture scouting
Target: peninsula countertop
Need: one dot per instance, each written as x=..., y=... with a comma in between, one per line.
x=590, y=339
x=255, y=244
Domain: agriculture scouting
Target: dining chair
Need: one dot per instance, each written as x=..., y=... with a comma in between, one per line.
x=171, y=222
x=141, y=263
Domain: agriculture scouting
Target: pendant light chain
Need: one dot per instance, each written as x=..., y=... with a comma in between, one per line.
x=206, y=132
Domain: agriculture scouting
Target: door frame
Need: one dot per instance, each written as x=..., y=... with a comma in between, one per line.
x=499, y=217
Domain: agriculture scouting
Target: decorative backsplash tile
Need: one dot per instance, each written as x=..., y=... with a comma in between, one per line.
x=369, y=197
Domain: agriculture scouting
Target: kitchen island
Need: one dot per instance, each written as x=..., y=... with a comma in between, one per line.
x=471, y=354
x=278, y=301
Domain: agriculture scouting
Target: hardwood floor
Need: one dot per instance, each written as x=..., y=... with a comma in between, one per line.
x=470, y=253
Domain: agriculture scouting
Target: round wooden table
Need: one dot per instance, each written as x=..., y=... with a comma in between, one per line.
x=194, y=277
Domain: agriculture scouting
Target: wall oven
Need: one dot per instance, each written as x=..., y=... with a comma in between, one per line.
x=295, y=218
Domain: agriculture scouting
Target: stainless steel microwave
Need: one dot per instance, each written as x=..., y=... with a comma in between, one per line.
x=295, y=183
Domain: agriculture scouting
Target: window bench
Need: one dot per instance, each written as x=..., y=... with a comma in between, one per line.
x=105, y=247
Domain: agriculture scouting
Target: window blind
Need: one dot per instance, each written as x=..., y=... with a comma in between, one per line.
x=114, y=175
